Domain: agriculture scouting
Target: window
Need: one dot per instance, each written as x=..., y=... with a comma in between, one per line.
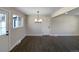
x=17, y=21
x=2, y=24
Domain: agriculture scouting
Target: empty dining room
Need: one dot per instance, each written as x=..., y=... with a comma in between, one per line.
x=39, y=29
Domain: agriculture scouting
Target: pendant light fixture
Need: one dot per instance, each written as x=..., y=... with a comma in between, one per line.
x=38, y=19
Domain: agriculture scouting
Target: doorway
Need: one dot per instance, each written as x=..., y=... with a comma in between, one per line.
x=4, y=31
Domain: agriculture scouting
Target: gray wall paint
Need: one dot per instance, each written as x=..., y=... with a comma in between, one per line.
x=38, y=29
x=65, y=25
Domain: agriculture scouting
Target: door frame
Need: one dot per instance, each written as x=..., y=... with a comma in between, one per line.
x=7, y=24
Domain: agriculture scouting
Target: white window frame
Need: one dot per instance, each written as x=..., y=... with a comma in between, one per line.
x=21, y=22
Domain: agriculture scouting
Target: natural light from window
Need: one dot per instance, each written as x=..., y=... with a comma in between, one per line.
x=17, y=21
x=2, y=24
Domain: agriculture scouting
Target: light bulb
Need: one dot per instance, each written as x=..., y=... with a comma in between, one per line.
x=40, y=20
x=36, y=20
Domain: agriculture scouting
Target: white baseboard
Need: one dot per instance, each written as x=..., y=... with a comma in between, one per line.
x=17, y=43
x=34, y=34
x=64, y=34
x=53, y=34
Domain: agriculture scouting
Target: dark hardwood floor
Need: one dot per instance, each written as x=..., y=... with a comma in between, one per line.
x=48, y=44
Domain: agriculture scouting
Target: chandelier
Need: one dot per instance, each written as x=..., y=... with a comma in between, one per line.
x=38, y=19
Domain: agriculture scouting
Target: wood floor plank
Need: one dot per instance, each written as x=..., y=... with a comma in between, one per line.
x=48, y=44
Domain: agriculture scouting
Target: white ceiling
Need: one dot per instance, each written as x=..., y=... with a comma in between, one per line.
x=42, y=10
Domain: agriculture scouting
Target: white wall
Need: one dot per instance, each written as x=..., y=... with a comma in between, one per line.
x=35, y=29
x=65, y=25
x=15, y=35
